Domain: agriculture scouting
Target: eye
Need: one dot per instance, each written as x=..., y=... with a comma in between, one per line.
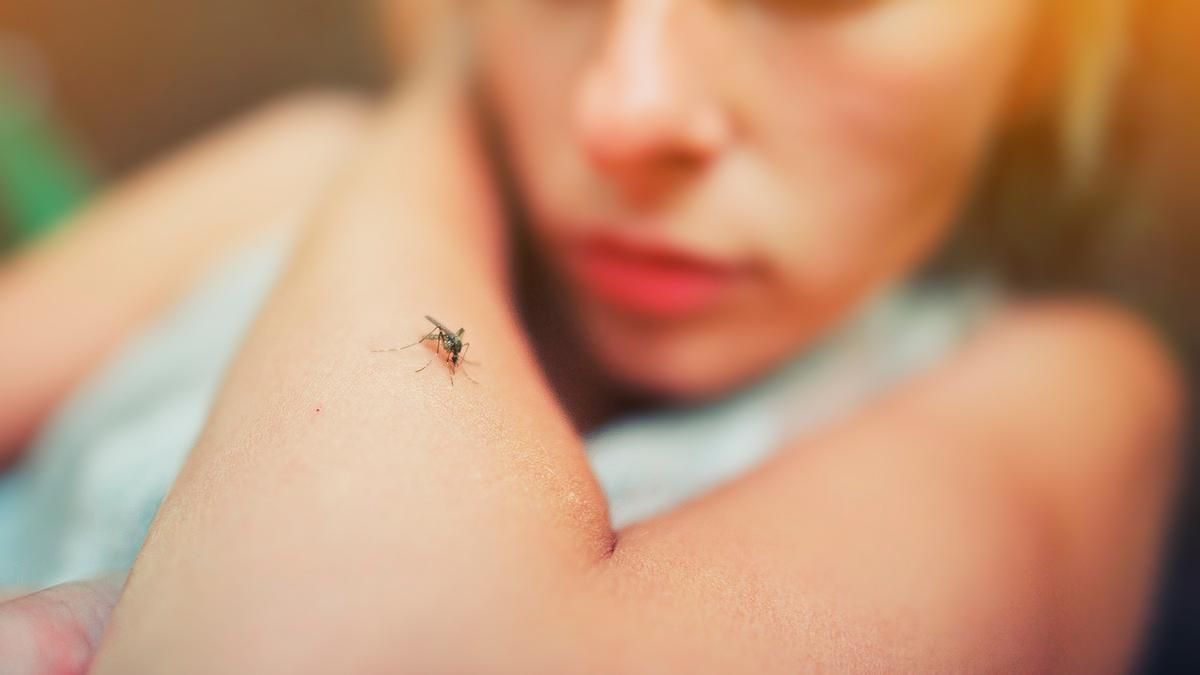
x=821, y=7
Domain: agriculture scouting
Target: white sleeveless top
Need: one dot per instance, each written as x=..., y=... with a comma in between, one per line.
x=81, y=503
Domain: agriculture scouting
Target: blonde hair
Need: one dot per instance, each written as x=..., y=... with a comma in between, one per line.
x=1094, y=54
x=1055, y=187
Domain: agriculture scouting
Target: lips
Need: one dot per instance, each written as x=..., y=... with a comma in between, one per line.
x=651, y=278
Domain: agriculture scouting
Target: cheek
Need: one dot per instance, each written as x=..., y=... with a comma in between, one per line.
x=872, y=165
x=532, y=83
x=874, y=142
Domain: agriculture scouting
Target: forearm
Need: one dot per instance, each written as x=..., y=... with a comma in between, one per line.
x=431, y=504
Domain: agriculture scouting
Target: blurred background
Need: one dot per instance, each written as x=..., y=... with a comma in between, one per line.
x=90, y=92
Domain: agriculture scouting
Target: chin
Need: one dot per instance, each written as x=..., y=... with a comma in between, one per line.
x=675, y=387
x=678, y=366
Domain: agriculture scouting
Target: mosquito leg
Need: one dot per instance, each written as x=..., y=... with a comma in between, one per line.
x=450, y=362
x=468, y=375
x=438, y=337
x=431, y=336
x=462, y=361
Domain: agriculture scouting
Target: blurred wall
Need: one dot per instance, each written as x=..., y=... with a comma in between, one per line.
x=130, y=77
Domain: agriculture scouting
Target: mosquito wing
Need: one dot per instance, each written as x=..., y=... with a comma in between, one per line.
x=439, y=324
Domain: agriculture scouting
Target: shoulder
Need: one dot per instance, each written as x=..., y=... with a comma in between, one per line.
x=1083, y=398
x=1087, y=332
x=282, y=147
x=306, y=116
x=1084, y=357
x=1075, y=407
x=239, y=179
x=297, y=130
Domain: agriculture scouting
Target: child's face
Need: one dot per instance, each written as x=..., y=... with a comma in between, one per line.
x=719, y=180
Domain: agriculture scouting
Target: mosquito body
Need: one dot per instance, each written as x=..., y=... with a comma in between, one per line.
x=449, y=341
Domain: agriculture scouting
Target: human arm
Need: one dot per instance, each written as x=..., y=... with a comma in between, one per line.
x=939, y=531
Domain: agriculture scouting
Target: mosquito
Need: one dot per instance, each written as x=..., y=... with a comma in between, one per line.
x=451, y=341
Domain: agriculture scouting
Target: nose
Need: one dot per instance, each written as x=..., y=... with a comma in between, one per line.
x=645, y=118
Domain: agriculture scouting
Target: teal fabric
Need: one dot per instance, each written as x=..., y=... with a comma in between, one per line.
x=80, y=504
